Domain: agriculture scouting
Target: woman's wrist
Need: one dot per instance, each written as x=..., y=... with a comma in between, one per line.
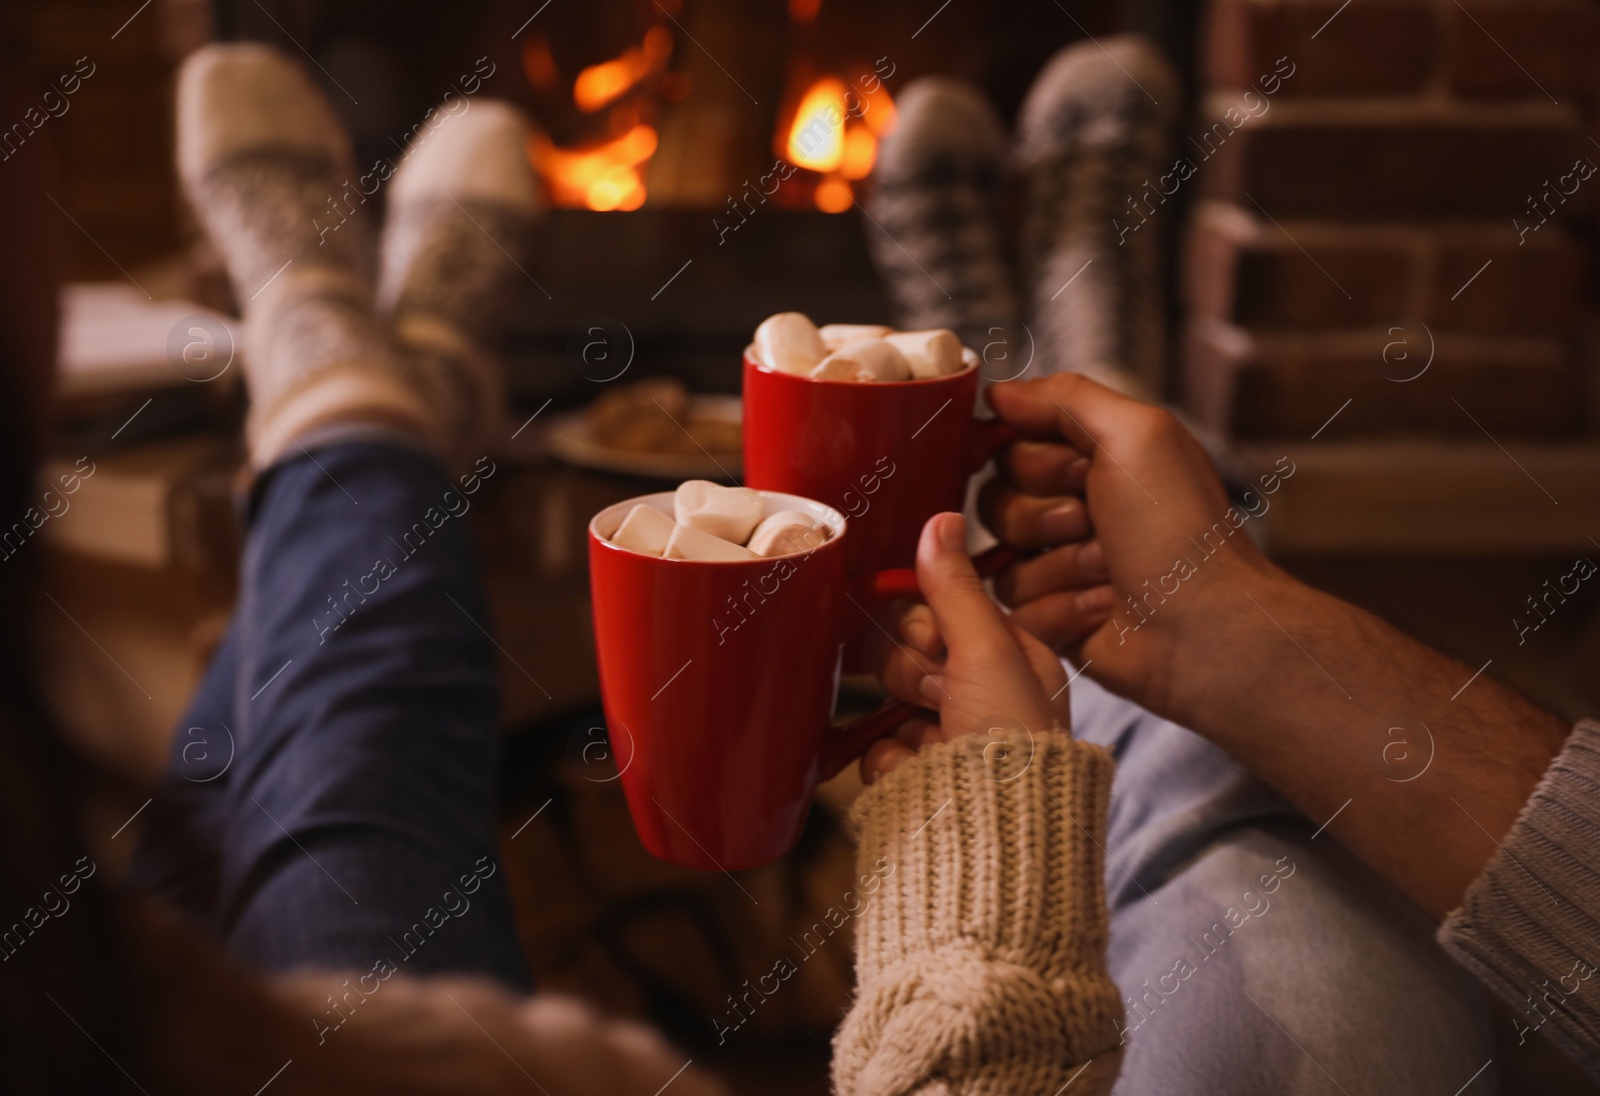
x=966, y=836
x=983, y=946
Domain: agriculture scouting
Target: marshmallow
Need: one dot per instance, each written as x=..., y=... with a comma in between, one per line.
x=727, y=512
x=789, y=343
x=835, y=368
x=865, y=360
x=645, y=529
x=688, y=542
x=785, y=532
x=929, y=353
x=835, y=335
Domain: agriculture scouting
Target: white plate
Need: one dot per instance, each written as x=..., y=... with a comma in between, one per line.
x=569, y=437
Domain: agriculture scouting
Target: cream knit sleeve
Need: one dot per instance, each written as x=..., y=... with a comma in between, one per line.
x=980, y=962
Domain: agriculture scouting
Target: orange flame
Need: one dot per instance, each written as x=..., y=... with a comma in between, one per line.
x=880, y=113
x=603, y=177
x=599, y=85
x=834, y=195
x=824, y=137
x=607, y=175
x=860, y=151
x=816, y=137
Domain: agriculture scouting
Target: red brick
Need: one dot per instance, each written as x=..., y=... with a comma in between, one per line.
x=1289, y=386
x=1243, y=270
x=115, y=145
x=1531, y=50
x=1389, y=161
x=1376, y=49
x=1530, y=288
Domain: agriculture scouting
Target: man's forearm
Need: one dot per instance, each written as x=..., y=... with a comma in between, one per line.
x=1342, y=713
x=1350, y=719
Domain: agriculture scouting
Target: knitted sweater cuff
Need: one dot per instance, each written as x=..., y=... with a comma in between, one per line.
x=983, y=951
x=1529, y=926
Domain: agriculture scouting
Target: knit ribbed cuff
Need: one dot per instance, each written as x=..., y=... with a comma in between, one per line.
x=984, y=949
x=1529, y=927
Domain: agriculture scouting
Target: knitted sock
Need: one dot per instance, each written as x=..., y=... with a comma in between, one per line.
x=1093, y=136
x=937, y=241
x=461, y=213
x=262, y=159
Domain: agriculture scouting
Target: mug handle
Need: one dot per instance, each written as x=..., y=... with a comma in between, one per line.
x=844, y=744
x=902, y=581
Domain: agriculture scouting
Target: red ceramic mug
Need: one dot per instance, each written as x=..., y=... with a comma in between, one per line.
x=890, y=454
x=719, y=680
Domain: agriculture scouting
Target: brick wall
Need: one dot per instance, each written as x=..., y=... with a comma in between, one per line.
x=113, y=136
x=1384, y=185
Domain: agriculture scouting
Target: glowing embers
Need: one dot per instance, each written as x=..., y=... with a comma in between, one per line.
x=605, y=177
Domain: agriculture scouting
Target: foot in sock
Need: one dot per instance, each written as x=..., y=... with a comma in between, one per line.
x=259, y=153
x=461, y=213
x=937, y=239
x=1094, y=130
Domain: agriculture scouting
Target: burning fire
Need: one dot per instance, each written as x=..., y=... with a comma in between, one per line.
x=840, y=143
x=607, y=175
x=599, y=85
x=604, y=177
x=815, y=142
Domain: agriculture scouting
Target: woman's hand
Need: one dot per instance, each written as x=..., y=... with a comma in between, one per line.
x=964, y=659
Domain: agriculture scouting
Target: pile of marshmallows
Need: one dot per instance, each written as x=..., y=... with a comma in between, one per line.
x=717, y=523
x=790, y=343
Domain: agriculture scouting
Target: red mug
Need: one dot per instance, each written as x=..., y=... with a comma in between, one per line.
x=719, y=680
x=888, y=454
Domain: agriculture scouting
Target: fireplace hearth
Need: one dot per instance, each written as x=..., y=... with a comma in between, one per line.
x=686, y=302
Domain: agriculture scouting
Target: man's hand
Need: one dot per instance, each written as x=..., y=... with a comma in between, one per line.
x=1165, y=538
x=1036, y=503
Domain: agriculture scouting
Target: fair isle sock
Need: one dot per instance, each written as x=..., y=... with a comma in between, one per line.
x=259, y=153
x=1095, y=128
x=461, y=213
x=935, y=229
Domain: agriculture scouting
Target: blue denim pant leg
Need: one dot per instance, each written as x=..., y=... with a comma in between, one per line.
x=354, y=823
x=179, y=855
x=1252, y=958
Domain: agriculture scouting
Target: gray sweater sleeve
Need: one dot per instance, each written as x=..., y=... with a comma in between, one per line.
x=1529, y=927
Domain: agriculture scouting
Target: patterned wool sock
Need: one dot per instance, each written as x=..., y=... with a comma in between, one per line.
x=1092, y=138
x=936, y=237
x=462, y=209
x=263, y=161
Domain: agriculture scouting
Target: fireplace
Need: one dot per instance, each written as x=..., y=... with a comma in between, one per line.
x=704, y=160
